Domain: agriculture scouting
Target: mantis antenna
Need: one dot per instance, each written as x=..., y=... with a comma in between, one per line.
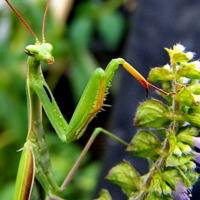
x=44, y=20
x=27, y=26
x=23, y=21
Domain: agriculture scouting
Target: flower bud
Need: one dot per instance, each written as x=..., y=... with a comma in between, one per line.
x=186, y=149
x=179, y=48
x=177, y=151
x=191, y=165
x=183, y=168
x=166, y=189
x=190, y=55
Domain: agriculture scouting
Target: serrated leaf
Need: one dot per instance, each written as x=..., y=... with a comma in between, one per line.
x=187, y=135
x=186, y=97
x=189, y=131
x=125, y=176
x=152, y=113
x=145, y=144
x=159, y=75
x=180, y=57
x=177, y=55
x=104, y=195
x=174, y=160
x=188, y=72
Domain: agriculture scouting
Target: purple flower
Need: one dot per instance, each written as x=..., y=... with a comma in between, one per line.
x=197, y=142
x=182, y=192
x=197, y=157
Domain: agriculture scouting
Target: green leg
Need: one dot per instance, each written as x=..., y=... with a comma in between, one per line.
x=85, y=150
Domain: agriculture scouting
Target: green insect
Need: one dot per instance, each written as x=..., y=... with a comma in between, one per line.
x=35, y=162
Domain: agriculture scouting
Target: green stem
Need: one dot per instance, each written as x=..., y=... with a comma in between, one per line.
x=176, y=104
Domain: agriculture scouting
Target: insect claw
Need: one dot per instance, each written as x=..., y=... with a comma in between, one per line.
x=147, y=92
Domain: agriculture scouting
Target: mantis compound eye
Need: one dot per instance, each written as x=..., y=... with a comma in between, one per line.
x=30, y=53
x=31, y=50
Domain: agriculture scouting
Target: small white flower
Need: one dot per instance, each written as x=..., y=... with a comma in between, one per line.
x=184, y=80
x=196, y=65
x=167, y=67
x=190, y=55
x=186, y=149
x=179, y=48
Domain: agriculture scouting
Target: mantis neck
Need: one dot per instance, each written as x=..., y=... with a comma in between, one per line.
x=34, y=105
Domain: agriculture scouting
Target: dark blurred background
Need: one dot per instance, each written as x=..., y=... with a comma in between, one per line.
x=86, y=34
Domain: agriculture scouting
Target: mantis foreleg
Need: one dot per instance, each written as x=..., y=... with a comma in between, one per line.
x=90, y=103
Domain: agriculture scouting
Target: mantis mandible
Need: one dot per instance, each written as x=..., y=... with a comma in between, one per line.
x=35, y=162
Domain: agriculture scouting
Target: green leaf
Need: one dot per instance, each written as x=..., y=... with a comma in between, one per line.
x=145, y=144
x=166, y=189
x=125, y=176
x=186, y=135
x=81, y=31
x=171, y=176
x=104, y=195
x=195, y=89
x=152, y=113
x=192, y=176
x=177, y=54
x=159, y=75
x=193, y=119
x=188, y=72
x=162, y=132
x=111, y=28
x=172, y=141
x=153, y=196
x=155, y=184
x=186, y=97
x=180, y=57
x=174, y=160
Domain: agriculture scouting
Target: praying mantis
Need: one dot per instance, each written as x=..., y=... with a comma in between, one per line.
x=35, y=162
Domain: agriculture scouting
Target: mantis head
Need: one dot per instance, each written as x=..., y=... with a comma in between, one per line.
x=41, y=52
